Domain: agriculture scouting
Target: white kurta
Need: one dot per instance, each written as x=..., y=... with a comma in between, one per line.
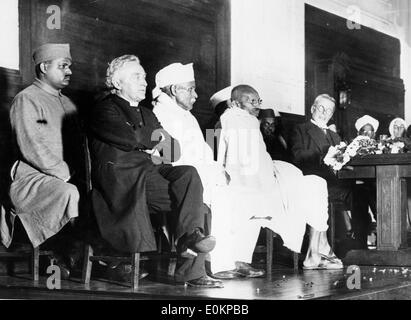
x=273, y=189
x=233, y=203
x=183, y=126
x=236, y=234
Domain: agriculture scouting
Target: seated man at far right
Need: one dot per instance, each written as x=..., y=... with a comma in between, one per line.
x=310, y=143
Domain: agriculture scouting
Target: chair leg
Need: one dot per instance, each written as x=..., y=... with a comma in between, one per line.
x=332, y=225
x=270, y=248
x=172, y=264
x=159, y=242
x=296, y=258
x=87, y=264
x=35, y=263
x=135, y=266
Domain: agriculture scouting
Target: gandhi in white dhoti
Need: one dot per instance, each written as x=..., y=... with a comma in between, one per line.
x=273, y=189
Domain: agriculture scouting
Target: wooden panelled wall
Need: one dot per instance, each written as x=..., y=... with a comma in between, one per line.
x=364, y=61
x=160, y=32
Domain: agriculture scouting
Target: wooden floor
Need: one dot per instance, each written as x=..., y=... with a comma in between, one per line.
x=284, y=284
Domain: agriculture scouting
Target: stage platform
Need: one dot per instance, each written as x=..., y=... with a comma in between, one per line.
x=376, y=283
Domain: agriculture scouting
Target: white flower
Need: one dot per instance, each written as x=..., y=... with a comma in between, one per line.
x=338, y=166
x=351, y=152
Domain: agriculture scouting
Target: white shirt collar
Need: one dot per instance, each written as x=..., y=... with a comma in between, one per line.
x=321, y=126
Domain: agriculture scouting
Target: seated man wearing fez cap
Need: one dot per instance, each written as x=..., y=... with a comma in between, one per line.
x=129, y=183
x=43, y=120
x=270, y=126
x=175, y=96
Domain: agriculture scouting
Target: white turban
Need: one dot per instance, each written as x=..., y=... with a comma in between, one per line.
x=173, y=74
x=396, y=121
x=220, y=96
x=367, y=120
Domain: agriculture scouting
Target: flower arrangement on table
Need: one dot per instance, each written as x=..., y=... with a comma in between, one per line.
x=338, y=156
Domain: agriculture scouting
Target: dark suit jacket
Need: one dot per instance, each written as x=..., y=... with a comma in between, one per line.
x=309, y=146
x=119, y=134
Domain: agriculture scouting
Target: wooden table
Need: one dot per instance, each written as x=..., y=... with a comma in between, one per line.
x=390, y=172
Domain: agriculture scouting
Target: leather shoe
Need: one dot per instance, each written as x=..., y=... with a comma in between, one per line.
x=227, y=275
x=248, y=271
x=122, y=272
x=198, y=242
x=205, y=282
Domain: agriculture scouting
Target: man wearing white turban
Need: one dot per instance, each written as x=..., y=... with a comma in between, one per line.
x=364, y=197
x=175, y=96
x=236, y=202
x=367, y=126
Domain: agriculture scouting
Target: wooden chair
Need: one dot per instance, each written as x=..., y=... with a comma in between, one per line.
x=34, y=256
x=135, y=258
x=30, y=253
x=270, y=235
x=332, y=208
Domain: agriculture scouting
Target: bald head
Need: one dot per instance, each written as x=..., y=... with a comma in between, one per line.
x=242, y=90
x=246, y=98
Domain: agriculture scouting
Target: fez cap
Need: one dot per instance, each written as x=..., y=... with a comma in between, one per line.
x=268, y=113
x=51, y=51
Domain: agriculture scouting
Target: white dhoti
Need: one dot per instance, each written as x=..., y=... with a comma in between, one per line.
x=235, y=233
x=274, y=195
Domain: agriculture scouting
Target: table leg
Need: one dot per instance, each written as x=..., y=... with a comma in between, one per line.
x=391, y=209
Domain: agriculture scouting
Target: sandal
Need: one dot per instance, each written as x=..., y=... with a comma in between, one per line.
x=332, y=259
x=327, y=263
x=318, y=267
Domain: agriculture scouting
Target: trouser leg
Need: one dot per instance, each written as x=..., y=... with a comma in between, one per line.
x=360, y=215
x=178, y=190
x=191, y=268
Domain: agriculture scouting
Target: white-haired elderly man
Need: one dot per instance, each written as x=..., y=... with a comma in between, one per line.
x=129, y=184
x=310, y=142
